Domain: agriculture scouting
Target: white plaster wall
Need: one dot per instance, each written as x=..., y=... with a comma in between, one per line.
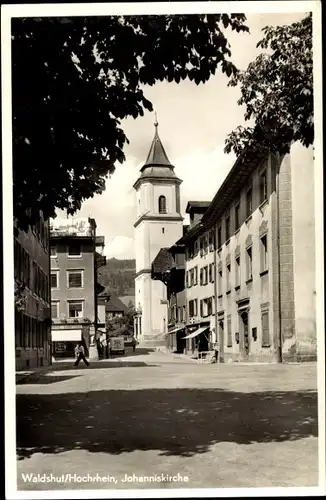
x=159, y=239
x=303, y=214
x=169, y=191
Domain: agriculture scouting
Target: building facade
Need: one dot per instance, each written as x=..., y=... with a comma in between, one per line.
x=263, y=220
x=158, y=225
x=199, y=280
x=73, y=244
x=250, y=263
x=32, y=321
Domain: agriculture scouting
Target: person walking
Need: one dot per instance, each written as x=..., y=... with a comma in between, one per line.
x=106, y=348
x=133, y=343
x=81, y=355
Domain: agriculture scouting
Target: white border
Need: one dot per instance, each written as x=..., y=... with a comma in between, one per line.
x=101, y=9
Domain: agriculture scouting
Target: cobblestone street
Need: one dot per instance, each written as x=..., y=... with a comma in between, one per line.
x=146, y=414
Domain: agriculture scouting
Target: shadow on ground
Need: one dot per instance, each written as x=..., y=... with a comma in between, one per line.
x=43, y=379
x=180, y=422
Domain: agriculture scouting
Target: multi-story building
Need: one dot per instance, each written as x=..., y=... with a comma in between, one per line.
x=199, y=280
x=158, y=225
x=31, y=272
x=73, y=283
x=169, y=268
x=263, y=220
x=250, y=262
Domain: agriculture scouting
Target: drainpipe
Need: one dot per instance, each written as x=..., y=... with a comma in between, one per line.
x=279, y=347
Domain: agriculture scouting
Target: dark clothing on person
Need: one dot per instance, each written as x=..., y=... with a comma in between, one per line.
x=81, y=356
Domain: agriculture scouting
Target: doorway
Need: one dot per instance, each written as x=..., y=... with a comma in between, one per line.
x=221, y=339
x=244, y=335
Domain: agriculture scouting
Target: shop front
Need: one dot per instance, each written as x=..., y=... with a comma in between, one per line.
x=64, y=342
x=197, y=338
x=177, y=343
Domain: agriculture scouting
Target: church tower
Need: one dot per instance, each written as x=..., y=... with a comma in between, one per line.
x=158, y=225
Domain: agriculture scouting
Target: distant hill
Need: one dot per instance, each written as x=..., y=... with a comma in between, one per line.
x=119, y=276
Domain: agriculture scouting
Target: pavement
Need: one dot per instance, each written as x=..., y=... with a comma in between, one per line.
x=152, y=420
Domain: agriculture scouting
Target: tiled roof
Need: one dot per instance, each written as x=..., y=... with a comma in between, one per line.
x=201, y=205
x=114, y=305
x=127, y=299
x=162, y=262
x=157, y=154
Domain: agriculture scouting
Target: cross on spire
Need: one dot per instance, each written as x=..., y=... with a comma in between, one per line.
x=156, y=122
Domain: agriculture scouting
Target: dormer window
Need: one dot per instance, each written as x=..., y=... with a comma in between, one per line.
x=162, y=205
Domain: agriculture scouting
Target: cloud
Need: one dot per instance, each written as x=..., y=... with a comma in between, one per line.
x=121, y=247
x=194, y=121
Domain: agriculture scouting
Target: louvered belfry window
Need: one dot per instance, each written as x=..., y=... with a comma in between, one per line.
x=162, y=205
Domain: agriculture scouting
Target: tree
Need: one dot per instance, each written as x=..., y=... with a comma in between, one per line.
x=20, y=296
x=277, y=90
x=122, y=325
x=75, y=79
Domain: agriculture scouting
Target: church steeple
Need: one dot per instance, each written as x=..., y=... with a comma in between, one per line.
x=157, y=154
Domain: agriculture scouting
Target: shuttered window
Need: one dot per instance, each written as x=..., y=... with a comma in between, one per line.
x=229, y=332
x=265, y=329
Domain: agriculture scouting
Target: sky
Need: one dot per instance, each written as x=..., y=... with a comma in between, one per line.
x=194, y=122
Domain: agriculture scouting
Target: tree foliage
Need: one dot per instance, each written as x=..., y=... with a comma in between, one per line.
x=277, y=91
x=20, y=296
x=122, y=325
x=75, y=79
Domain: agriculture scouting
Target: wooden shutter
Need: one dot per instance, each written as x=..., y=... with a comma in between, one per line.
x=229, y=342
x=265, y=329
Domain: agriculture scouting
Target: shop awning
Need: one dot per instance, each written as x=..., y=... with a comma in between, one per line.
x=177, y=329
x=196, y=332
x=66, y=335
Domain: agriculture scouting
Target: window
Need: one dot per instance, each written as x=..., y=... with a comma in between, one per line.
x=229, y=333
x=195, y=275
x=196, y=247
x=211, y=241
x=75, y=309
x=193, y=307
x=263, y=254
x=228, y=277
x=201, y=246
x=75, y=279
x=220, y=282
x=55, y=310
x=237, y=215
x=227, y=227
x=53, y=250
x=249, y=202
x=237, y=271
x=206, y=244
x=219, y=237
x=74, y=249
x=187, y=279
x=162, y=230
x=209, y=306
x=249, y=263
x=202, y=308
x=54, y=279
x=191, y=277
x=183, y=313
x=265, y=329
x=211, y=273
x=204, y=275
x=201, y=274
x=263, y=186
x=162, y=205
